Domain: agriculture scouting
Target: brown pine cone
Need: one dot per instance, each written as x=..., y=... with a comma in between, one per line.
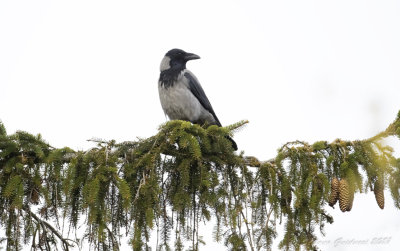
x=378, y=191
x=334, y=196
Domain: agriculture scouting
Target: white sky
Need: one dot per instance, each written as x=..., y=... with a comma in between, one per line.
x=307, y=70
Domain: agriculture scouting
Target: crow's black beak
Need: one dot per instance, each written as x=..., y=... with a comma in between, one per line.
x=191, y=56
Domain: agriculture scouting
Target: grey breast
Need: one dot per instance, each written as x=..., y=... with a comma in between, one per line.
x=178, y=102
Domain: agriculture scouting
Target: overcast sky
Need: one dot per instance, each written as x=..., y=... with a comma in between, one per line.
x=306, y=70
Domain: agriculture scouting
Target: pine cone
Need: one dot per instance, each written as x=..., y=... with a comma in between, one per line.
x=345, y=197
x=351, y=199
x=378, y=191
x=334, y=196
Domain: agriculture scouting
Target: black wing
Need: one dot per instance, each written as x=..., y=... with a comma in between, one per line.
x=198, y=92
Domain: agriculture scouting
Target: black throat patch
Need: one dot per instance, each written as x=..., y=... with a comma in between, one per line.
x=169, y=77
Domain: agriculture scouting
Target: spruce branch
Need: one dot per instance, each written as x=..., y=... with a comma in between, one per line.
x=392, y=130
x=186, y=170
x=236, y=127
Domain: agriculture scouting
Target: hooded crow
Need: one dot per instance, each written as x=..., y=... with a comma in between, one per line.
x=181, y=94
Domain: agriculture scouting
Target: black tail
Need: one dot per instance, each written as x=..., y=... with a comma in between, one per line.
x=234, y=146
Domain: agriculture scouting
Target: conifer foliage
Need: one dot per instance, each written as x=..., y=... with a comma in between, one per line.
x=182, y=177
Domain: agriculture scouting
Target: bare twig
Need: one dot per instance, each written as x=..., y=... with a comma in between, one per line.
x=113, y=240
x=98, y=140
x=249, y=233
x=142, y=182
x=45, y=225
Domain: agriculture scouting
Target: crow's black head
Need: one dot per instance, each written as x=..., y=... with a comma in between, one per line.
x=176, y=59
x=173, y=63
